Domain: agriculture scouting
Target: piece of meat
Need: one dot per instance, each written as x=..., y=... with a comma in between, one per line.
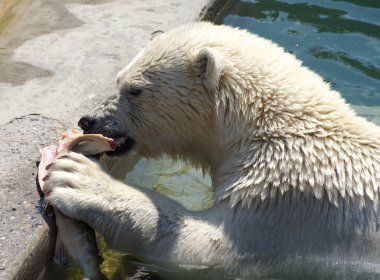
x=87, y=144
x=48, y=154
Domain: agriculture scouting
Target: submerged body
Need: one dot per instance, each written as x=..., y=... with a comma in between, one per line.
x=295, y=171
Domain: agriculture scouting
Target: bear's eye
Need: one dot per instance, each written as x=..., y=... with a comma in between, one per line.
x=131, y=91
x=135, y=91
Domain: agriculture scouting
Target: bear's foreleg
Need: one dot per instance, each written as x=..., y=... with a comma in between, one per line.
x=132, y=219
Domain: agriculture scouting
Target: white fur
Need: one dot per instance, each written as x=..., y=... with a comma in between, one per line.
x=295, y=171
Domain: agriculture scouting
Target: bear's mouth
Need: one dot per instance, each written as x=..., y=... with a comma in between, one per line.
x=124, y=145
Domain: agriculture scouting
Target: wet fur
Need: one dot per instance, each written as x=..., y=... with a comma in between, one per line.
x=295, y=171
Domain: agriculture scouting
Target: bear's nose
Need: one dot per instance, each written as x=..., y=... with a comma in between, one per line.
x=86, y=123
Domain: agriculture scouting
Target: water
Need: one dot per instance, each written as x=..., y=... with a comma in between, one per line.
x=340, y=40
x=174, y=179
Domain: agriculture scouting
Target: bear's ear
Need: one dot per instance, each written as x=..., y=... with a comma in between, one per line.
x=155, y=34
x=207, y=68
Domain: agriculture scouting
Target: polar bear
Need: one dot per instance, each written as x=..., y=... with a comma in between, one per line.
x=296, y=172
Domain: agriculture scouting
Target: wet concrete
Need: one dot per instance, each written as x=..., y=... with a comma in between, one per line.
x=43, y=17
x=57, y=60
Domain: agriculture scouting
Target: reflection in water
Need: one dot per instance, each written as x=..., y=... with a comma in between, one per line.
x=323, y=19
x=340, y=40
x=173, y=179
x=368, y=69
x=363, y=3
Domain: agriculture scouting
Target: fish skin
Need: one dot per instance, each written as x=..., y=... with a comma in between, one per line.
x=79, y=242
x=75, y=238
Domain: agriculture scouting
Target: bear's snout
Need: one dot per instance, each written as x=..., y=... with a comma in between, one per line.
x=86, y=123
x=108, y=127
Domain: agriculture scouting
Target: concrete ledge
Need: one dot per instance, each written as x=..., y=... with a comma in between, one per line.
x=57, y=60
x=33, y=260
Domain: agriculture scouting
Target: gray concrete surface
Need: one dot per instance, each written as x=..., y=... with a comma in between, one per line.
x=57, y=60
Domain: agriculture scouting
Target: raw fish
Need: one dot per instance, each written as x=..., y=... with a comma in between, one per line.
x=75, y=238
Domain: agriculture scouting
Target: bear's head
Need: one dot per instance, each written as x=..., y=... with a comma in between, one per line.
x=165, y=100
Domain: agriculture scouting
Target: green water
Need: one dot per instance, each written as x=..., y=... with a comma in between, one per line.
x=340, y=40
x=174, y=179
